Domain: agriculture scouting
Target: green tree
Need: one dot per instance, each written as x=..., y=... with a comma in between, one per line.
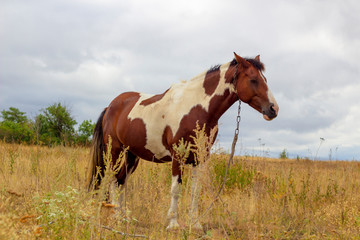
x=85, y=131
x=42, y=131
x=13, y=115
x=15, y=127
x=57, y=123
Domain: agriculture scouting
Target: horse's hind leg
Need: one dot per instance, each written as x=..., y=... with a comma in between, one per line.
x=129, y=166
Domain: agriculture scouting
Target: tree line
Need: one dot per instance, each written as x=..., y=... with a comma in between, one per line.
x=54, y=125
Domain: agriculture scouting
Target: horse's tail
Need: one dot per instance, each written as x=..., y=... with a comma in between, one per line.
x=97, y=159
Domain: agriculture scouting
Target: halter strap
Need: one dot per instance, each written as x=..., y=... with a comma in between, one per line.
x=235, y=74
x=234, y=79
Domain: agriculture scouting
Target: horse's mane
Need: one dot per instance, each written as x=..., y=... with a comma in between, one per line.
x=258, y=65
x=214, y=68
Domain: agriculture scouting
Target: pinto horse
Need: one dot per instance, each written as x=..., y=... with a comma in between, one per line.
x=148, y=125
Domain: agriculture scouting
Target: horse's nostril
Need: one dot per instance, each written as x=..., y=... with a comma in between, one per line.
x=272, y=109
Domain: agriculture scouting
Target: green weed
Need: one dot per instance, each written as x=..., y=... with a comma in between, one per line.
x=237, y=177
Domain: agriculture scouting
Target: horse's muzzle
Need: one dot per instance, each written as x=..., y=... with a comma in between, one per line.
x=270, y=112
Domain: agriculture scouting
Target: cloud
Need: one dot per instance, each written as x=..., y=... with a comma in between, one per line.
x=85, y=53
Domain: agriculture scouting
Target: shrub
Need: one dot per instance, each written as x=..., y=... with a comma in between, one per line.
x=237, y=177
x=284, y=154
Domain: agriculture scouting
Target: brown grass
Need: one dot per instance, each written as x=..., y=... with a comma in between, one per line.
x=42, y=196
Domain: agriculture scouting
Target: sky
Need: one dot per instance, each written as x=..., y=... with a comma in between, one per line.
x=83, y=53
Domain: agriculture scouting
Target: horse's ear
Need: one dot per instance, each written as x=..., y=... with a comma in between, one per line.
x=241, y=61
x=257, y=58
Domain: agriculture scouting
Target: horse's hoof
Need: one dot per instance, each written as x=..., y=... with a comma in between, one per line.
x=173, y=225
x=123, y=214
x=197, y=227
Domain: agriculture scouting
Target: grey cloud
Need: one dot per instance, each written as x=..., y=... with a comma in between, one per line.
x=87, y=52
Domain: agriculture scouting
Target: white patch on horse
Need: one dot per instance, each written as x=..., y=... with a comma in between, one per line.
x=173, y=106
x=270, y=95
x=272, y=100
x=262, y=76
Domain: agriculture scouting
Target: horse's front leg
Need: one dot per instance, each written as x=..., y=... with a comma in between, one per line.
x=176, y=180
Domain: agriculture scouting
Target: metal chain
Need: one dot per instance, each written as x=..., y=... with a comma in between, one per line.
x=238, y=119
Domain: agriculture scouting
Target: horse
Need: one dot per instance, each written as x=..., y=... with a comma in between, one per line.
x=147, y=126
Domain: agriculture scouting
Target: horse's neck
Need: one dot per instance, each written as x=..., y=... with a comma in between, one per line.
x=214, y=91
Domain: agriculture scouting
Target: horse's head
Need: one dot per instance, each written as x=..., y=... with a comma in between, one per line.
x=251, y=86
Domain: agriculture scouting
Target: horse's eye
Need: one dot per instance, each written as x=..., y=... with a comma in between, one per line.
x=254, y=81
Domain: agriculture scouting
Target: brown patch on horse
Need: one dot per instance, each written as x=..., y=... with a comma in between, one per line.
x=217, y=106
x=153, y=99
x=211, y=81
x=116, y=114
x=167, y=138
x=229, y=75
x=187, y=126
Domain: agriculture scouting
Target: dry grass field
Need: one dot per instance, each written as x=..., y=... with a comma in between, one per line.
x=42, y=196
